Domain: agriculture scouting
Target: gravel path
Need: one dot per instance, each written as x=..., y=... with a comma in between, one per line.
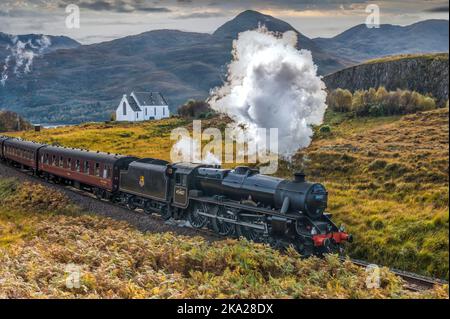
x=91, y=205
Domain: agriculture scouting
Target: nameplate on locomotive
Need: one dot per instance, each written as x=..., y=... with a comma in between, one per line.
x=180, y=191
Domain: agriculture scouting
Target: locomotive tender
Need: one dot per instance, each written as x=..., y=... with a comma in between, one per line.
x=238, y=202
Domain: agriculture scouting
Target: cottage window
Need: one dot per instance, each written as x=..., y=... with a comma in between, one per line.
x=124, y=108
x=146, y=109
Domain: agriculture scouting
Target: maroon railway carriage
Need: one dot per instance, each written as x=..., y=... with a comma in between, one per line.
x=2, y=140
x=98, y=171
x=24, y=153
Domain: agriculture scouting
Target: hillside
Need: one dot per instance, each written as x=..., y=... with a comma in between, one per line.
x=85, y=83
x=361, y=43
x=387, y=177
x=424, y=73
x=388, y=182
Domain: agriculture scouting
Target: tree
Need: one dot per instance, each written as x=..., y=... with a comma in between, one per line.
x=340, y=100
x=194, y=109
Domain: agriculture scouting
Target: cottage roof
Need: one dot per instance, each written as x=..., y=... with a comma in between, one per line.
x=149, y=98
x=133, y=104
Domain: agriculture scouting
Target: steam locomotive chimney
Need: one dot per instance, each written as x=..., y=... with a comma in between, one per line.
x=299, y=177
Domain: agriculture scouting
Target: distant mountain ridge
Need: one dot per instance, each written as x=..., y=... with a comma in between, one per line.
x=56, y=42
x=361, y=43
x=85, y=83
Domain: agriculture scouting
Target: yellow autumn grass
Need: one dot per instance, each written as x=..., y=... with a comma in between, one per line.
x=114, y=260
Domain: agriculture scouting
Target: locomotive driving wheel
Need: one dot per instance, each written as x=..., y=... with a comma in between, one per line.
x=219, y=225
x=195, y=218
x=253, y=227
x=166, y=213
x=130, y=204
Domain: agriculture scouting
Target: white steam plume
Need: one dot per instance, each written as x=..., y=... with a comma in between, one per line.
x=187, y=149
x=271, y=84
x=22, y=55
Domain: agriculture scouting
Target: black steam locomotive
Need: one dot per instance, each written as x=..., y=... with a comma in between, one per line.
x=238, y=202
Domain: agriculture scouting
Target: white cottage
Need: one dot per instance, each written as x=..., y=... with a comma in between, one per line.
x=142, y=106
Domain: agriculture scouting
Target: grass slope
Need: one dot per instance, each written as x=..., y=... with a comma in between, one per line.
x=387, y=177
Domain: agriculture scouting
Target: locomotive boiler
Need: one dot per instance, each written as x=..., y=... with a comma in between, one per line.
x=247, y=185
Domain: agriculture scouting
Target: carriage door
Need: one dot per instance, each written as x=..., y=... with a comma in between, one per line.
x=180, y=194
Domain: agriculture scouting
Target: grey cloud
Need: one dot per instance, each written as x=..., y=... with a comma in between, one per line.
x=96, y=5
x=122, y=6
x=201, y=15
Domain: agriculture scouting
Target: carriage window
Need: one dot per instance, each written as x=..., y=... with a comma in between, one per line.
x=61, y=161
x=69, y=163
x=46, y=158
x=106, y=171
x=53, y=160
x=97, y=169
x=77, y=166
x=86, y=167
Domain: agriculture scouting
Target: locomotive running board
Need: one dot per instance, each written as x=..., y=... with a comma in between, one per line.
x=232, y=221
x=260, y=210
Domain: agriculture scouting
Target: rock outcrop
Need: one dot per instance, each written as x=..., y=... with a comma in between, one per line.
x=426, y=74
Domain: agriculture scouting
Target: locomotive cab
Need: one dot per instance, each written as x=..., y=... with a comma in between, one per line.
x=183, y=182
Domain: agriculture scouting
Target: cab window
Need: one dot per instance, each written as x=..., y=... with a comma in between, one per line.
x=181, y=179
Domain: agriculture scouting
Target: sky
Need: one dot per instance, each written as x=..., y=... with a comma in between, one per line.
x=104, y=20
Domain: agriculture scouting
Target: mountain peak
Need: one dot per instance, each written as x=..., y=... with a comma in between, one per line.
x=250, y=20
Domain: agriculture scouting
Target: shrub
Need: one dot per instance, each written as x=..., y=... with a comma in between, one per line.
x=340, y=100
x=10, y=121
x=325, y=129
x=379, y=102
x=195, y=109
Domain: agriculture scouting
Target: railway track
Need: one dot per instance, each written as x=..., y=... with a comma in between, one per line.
x=413, y=282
